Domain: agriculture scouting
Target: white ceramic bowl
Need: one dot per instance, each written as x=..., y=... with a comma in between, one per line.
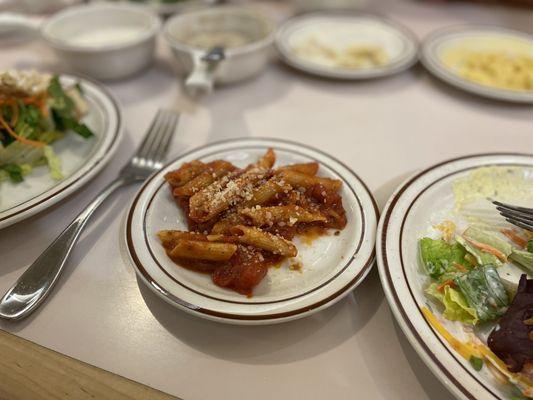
x=104, y=41
x=241, y=62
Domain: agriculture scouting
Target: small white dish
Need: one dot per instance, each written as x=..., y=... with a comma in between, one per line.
x=241, y=61
x=81, y=159
x=331, y=267
x=104, y=41
x=340, y=29
x=409, y=215
x=478, y=38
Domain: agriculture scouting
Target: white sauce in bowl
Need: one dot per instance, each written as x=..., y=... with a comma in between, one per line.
x=226, y=39
x=106, y=36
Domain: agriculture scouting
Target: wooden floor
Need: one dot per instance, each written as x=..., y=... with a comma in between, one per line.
x=29, y=372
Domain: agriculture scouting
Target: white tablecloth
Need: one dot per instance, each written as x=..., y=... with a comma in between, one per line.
x=384, y=129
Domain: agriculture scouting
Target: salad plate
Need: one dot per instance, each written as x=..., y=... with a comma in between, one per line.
x=328, y=268
x=80, y=158
x=458, y=55
x=454, y=272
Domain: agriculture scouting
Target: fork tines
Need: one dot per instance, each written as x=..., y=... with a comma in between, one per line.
x=518, y=216
x=154, y=147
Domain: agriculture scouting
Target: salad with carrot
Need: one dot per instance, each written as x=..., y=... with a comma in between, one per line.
x=36, y=111
x=471, y=282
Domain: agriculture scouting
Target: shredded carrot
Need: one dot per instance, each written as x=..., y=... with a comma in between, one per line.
x=460, y=267
x=21, y=139
x=515, y=237
x=501, y=378
x=448, y=282
x=36, y=99
x=500, y=365
x=464, y=349
x=43, y=108
x=487, y=249
x=480, y=350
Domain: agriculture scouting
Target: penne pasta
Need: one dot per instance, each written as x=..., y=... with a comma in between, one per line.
x=264, y=240
x=224, y=224
x=264, y=193
x=185, y=173
x=297, y=179
x=307, y=168
x=290, y=215
x=200, y=250
x=266, y=162
x=215, y=171
x=169, y=238
x=222, y=194
x=216, y=238
x=248, y=217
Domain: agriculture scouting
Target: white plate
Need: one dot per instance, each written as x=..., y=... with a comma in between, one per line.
x=81, y=159
x=406, y=218
x=337, y=28
x=332, y=266
x=477, y=37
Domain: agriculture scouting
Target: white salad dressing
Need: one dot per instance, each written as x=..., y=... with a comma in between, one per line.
x=107, y=36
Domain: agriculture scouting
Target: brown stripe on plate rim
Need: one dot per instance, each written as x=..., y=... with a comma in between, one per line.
x=180, y=302
x=399, y=305
x=96, y=162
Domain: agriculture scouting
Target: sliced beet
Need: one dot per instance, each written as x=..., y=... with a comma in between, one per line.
x=512, y=340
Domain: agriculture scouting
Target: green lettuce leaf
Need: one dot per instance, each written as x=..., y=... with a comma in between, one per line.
x=54, y=163
x=524, y=258
x=482, y=236
x=14, y=172
x=456, y=307
x=439, y=257
x=484, y=292
x=64, y=110
x=481, y=257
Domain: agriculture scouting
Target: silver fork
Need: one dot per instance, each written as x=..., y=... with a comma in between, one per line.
x=519, y=216
x=38, y=280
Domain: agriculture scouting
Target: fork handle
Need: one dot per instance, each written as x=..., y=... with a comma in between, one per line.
x=38, y=280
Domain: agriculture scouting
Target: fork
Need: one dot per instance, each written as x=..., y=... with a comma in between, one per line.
x=519, y=216
x=37, y=281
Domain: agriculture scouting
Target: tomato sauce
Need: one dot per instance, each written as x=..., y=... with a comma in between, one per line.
x=248, y=266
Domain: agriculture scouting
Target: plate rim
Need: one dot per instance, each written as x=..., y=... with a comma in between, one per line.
x=58, y=193
x=400, y=313
x=249, y=319
x=429, y=60
x=341, y=74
